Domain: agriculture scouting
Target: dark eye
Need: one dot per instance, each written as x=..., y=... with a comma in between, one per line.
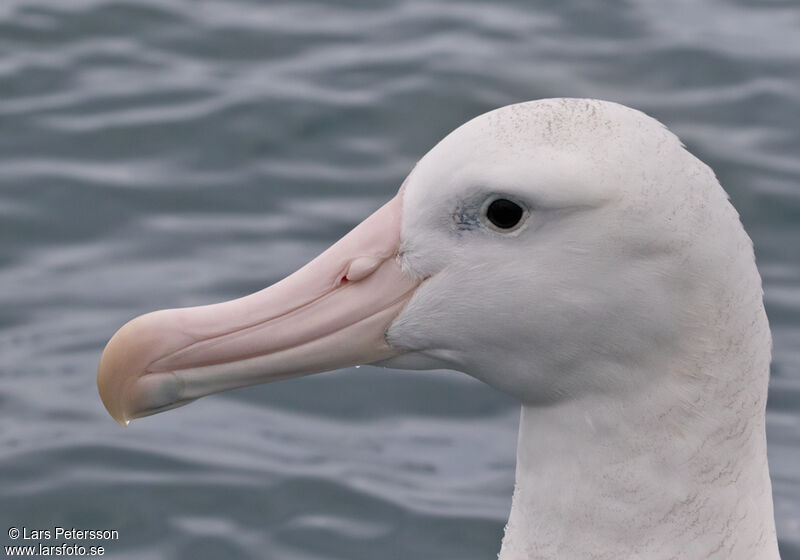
x=504, y=214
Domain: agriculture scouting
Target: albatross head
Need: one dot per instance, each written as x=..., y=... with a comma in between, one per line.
x=568, y=252
x=615, y=245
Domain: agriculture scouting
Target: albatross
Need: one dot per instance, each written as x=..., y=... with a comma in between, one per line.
x=570, y=253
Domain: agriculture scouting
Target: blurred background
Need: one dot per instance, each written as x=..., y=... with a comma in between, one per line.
x=162, y=153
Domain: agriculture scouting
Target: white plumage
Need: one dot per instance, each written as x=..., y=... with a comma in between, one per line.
x=627, y=315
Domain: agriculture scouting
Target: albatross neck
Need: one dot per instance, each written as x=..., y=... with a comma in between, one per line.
x=652, y=474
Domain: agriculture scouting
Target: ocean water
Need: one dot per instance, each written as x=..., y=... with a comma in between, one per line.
x=162, y=153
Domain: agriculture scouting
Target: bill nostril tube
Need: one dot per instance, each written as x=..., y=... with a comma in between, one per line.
x=362, y=267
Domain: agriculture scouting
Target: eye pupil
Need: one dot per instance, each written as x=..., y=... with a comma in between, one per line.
x=503, y=213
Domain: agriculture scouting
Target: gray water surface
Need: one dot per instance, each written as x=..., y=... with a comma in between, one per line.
x=162, y=153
